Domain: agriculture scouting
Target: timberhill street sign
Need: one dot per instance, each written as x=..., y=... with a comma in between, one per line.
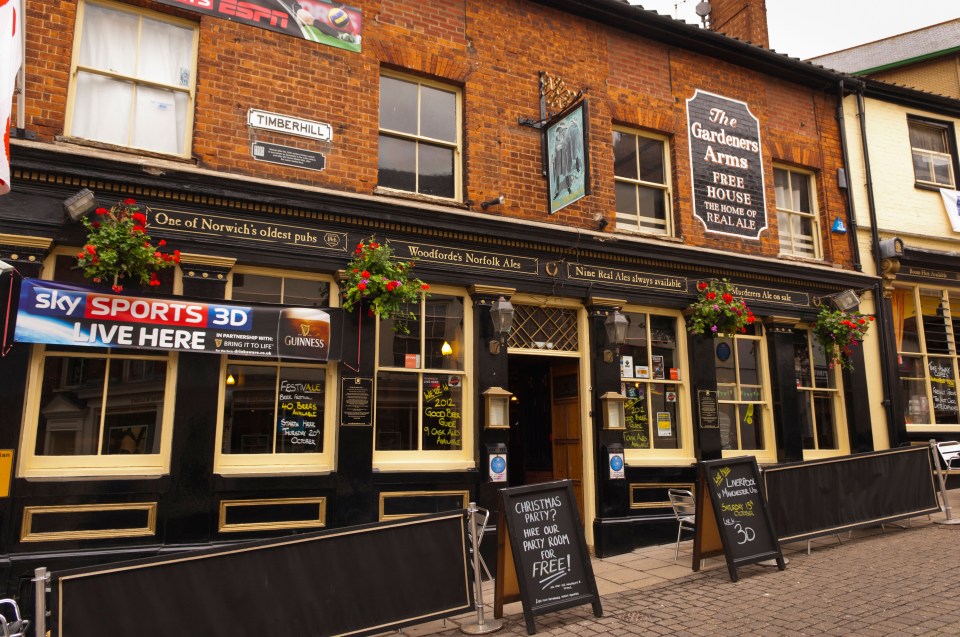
x=289, y=125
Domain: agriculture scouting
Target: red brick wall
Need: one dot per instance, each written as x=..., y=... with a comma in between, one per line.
x=493, y=50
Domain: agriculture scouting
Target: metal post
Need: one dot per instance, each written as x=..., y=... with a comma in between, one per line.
x=40, y=579
x=482, y=626
x=943, y=487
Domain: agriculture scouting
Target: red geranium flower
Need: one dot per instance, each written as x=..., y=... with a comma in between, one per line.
x=711, y=296
x=727, y=297
x=701, y=286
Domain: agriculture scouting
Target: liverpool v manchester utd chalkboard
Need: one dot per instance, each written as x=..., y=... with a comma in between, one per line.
x=732, y=517
x=541, y=549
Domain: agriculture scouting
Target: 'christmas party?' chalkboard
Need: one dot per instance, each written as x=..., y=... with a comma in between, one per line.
x=542, y=557
x=732, y=517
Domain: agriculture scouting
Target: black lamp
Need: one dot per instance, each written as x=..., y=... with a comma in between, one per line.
x=501, y=313
x=616, y=327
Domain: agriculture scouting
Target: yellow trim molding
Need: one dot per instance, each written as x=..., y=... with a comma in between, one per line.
x=29, y=513
x=319, y=522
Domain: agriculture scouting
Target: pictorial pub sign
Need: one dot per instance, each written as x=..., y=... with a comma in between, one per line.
x=726, y=165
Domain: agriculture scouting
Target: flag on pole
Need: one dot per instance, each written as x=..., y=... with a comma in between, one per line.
x=951, y=203
x=11, y=49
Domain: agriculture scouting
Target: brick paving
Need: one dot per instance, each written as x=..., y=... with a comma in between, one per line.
x=904, y=580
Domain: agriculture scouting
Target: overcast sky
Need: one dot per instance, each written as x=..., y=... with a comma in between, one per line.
x=807, y=28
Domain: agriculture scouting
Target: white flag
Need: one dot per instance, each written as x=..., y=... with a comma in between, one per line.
x=11, y=49
x=951, y=199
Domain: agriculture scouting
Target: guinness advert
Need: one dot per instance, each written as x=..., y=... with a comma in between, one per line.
x=726, y=163
x=61, y=314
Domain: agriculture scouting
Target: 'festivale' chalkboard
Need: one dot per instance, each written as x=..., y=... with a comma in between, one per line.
x=542, y=556
x=732, y=517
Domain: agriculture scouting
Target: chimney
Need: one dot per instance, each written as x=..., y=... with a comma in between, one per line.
x=742, y=19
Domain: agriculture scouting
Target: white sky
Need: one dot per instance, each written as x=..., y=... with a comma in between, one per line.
x=807, y=28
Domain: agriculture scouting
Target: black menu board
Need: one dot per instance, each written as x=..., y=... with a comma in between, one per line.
x=300, y=414
x=732, y=517
x=944, y=388
x=636, y=435
x=542, y=551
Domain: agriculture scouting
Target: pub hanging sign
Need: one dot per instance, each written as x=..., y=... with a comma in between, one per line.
x=726, y=163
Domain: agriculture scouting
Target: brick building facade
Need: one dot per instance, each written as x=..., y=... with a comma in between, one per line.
x=487, y=86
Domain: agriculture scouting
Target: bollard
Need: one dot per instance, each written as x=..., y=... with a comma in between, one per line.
x=943, y=487
x=481, y=626
x=40, y=579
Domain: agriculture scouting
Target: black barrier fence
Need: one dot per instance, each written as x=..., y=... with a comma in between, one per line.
x=822, y=497
x=351, y=581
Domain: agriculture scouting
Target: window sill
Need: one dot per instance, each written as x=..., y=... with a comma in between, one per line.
x=418, y=465
x=86, y=473
x=933, y=187
x=801, y=259
x=413, y=196
x=648, y=235
x=271, y=471
x=633, y=458
x=125, y=150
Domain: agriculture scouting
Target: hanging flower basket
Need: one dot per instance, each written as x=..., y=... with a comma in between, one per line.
x=839, y=332
x=717, y=311
x=119, y=251
x=382, y=284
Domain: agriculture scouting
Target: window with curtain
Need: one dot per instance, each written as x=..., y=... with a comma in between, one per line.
x=820, y=402
x=742, y=394
x=276, y=415
x=642, y=181
x=926, y=335
x=422, y=384
x=653, y=378
x=934, y=156
x=796, y=213
x=419, y=144
x=133, y=78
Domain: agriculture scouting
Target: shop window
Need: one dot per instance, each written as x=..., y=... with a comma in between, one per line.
x=934, y=152
x=423, y=406
x=419, y=144
x=742, y=389
x=123, y=91
x=96, y=411
x=926, y=335
x=276, y=416
x=653, y=377
x=642, y=177
x=796, y=213
x=819, y=402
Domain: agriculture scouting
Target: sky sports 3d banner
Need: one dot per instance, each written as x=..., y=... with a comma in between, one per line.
x=323, y=21
x=61, y=314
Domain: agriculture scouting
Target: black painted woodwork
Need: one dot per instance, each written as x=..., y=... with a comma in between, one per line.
x=786, y=415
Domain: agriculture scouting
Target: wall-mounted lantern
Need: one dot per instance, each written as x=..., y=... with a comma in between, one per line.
x=614, y=416
x=497, y=402
x=616, y=327
x=501, y=313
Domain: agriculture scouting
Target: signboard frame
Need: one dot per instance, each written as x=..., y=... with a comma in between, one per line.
x=511, y=583
x=712, y=537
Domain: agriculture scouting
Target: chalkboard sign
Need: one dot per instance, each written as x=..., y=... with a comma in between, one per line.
x=732, y=517
x=442, y=412
x=944, y=388
x=636, y=435
x=360, y=580
x=542, y=551
x=300, y=414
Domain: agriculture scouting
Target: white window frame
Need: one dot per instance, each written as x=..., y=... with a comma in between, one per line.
x=835, y=393
x=943, y=129
x=435, y=460
x=456, y=146
x=33, y=466
x=682, y=455
x=189, y=91
x=667, y=227
x=812, y=215
x=274, y=463
x=768, y=453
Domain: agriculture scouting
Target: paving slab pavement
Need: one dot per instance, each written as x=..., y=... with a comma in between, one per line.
x=899, y=579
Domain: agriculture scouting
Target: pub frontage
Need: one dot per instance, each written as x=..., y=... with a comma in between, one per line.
x=552, y=342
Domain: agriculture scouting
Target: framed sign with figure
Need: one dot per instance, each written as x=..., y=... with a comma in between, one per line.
x=567, y=157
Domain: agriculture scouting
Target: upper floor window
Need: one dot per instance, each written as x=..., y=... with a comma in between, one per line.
x=933, y=152
x=642, y=175
x=133, y=78
x=419, y=145
x=796, y=213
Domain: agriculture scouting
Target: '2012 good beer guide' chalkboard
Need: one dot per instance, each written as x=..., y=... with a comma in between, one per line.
x=541, y=549
x=732, y=517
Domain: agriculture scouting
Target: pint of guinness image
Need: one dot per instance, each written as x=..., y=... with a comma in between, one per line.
x=303, y=333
